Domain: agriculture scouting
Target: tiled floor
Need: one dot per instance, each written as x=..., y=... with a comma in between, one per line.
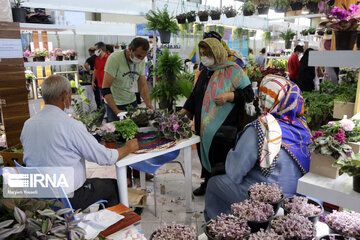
x=171, y=205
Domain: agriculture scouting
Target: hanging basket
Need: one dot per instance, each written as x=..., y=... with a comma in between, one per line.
x=191, y=19
x=230, y=14
x=215, y=16
x=263, y=10
x=204, y=18
x=313, y=7
x=247, y=13
x=296, y=6
x=181, y=20
x=288, y=44
x=345, y=40
x=165, y=36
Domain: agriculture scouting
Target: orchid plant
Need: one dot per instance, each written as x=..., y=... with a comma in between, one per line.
x=300, y=205
x=252, y=210
x=265, y=192
x=268, y=235
x=174, y=126
x=28, y=54
x=293, y=226
x=346, y=223
x=228, y=227
x=174, y=231
x=343, y=19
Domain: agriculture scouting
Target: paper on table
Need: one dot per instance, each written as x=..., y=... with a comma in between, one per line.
x=99, y=221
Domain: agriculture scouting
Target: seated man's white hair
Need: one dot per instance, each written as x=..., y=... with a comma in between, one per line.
x=53, y=87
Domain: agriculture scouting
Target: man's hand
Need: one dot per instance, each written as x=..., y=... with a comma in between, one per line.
x=221, y=99
x=132, y=145
x=150, y=106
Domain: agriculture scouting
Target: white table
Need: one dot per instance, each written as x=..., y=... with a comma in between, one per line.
x=134, y=158
x=335, y=191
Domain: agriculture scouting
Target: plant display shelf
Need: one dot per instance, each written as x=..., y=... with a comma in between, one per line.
x=334, y=191
x=45, y=27
x=348, y=59
x=51, y=63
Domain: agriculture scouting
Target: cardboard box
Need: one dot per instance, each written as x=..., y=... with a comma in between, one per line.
x=341, y=109
x=9, y=156
x=137, y=198
x=322, y=165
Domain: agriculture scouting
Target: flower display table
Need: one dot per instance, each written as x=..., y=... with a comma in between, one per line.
x=334, y=191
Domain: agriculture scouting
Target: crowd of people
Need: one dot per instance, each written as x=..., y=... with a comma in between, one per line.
x=238, y=147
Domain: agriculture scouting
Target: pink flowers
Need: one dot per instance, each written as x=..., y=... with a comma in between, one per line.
x=300, y=205
x=343, y=14
x=175, y=231
x=293, y=226
x=331, y=124
x=265, y=192
x=228, y=227
x=176, y=127
x=340, y=137
x=252, y=210
x=108, y=127
x=347, y=124
x=346, y=223
x=318, y=134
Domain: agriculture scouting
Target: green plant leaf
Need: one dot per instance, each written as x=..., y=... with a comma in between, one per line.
x=19, y=215
x=6, y=223
x=46, y=226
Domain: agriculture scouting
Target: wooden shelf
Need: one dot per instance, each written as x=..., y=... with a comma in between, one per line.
x=334, y=59
x=45, y=27
x=51, y=63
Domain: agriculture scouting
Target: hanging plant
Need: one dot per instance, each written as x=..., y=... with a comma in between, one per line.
x=230, y=12
x=263, y=7
x=248, y=8
x=220, y=30
x=191, y=16
x=321, y=32
x=203, y=16
x=237, y=33
x=215, y=14
x=198, y=27
x=288, y=36
x=252, y=33
x=181, y=18
x=304, y=32
x=312, y=5
x=280, y=6
x=184, y=30
x=312, y=30
x=296, y=5
x=266, y=38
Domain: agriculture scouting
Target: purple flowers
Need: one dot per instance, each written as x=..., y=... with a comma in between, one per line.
x=343, y=14
x=340, y=136
x=318, y=134
x=300, y=205
x=346, y=223
x=268, y=235
x=227, y=227
x=293, y=226
x=265, y=192
x=175, y=231
x=252, y=210
x=174, y=127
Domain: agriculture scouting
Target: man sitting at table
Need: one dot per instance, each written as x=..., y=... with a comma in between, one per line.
x=52, y=139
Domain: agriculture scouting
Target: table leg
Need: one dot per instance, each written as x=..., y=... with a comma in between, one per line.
x=122, y=185
x=142, y=180
x=188, y=180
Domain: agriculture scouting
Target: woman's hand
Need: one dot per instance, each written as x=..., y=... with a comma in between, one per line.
x=224, y=97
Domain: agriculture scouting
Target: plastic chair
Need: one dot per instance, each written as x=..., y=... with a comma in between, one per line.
x=153, y=164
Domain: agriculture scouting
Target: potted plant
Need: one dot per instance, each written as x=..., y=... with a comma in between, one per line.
x=296, y=5
x=40, y=55
x=329, y=31
x=174, y=231
x=191, y=16
x=174, y=126
x=312, y=5
x=344, y=223
x=215, y=14
x=288, y=36
x=59, y=54
x=117, y=46
x=294, y=227
x=126, y=129
x=72, y=54
x=332, y=237
x=321, y=32
x=227, y=227
x=263, y=7
x=266, y=37
x=248, y=8
x=18, y=13
x=311, y=30
x=351, y=166
x=267, y=193
x=280, y=6
x=304, y=207
x=304, y=32
x=345, y=23
x=262, y=234
x=203, y=16
x=220, y=30
x=181, y=18
x=257, y=214
x=163, y=22
x=230, y=12
x=28, y=56
x=237, y=33
x=140, y=116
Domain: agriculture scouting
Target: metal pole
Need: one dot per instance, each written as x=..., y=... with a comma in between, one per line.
x=154, y=57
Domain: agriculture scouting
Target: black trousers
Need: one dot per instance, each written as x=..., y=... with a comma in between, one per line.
x=95, y=189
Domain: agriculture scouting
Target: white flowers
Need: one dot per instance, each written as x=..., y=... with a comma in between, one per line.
x=347, y=124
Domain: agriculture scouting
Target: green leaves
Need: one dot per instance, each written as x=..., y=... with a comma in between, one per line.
x=19, y=215
x=126, y=128
x=161, y=20
x=288, y=35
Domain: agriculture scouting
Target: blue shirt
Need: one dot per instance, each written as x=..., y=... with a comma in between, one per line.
x=260, y=60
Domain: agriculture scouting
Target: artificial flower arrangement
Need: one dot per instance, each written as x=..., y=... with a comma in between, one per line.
x=174, y=126
x=265, y=235
x=345, y=223
x=343, y=19
x=302, y=206
x=227, y=227
x=174, y=231
x=293, y=227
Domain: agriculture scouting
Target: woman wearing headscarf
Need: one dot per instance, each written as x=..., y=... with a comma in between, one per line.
x=273, y=148
x=217, y=102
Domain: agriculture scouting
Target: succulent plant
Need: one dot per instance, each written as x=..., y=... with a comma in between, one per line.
x=293, y=227
x=265, y=192
x=228, y=227
x=268, y=235
x=346, y=223
x=175, y=231
x=252, y=210
x=174, y=126
x=300, y=205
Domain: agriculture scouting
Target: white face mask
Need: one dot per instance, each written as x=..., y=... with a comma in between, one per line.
x=135, y=60
x=97, y=52
x=206, y=61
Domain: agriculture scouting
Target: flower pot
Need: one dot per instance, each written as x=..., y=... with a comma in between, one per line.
x=191, y=19
x=322, y=165
x=39, y=59
x=59, y=58
x=19, y=15
x=30, y=59
x=25, y=59
x=342, y=108
x=181, y=20
x=204, y=18
x=110, y=145
x=296, y=6
x=345, y=40
x=231, y=14
x=331, y=236
x=215, y=16
x=165, y=36
x=312, y=6
x=117, y=47
x=288, y=44
x=256, y=226
x=210, y=237
x=263, y=10
x=356, y=183
x=314, y=218
x=72, y=57
x=358, y=41
x=247, y=13
x=123, y=47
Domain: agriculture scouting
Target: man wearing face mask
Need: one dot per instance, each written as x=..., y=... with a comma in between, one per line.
x=100, y=61
x=124, y=76
x=52, y=139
